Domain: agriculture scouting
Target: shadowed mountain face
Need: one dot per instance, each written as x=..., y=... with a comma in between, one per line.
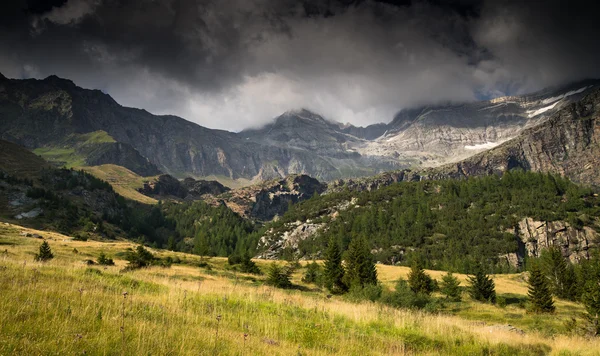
x=75, y=126
x=40, y=114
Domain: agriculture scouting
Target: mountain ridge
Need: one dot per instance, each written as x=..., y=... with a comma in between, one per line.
x=41, y=113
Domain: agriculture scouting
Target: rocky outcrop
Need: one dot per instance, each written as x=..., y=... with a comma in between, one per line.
x=189, y=188
x=296, y=232
x=275, y=240
x=164, y=186
x=269, y=199
x=534, y=236
x=574, y=243
x=197, y=188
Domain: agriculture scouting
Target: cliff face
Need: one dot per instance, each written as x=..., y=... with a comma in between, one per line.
x=436, y=135
x=567, y=144
x=534, y=236
x=269, y=199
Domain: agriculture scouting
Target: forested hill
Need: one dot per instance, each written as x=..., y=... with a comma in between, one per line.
x=448, y=224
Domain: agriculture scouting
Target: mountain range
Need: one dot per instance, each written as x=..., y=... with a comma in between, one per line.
x=73, y=126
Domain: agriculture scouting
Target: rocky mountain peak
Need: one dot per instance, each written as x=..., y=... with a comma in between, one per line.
x=60, y=82
x=302, y=117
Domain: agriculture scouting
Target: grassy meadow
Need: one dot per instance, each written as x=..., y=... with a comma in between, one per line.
x=65, y=306
x=125, y=182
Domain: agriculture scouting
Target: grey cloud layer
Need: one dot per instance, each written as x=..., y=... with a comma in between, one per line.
x=238, y=63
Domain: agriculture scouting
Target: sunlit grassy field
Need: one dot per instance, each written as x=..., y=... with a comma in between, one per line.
x=124, y=182
x=67, y=307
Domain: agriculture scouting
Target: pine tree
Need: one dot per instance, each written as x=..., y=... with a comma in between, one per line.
x=278, y=276
x=171, y=245
x=591, y=296
x=360, y=265
x=333, y=271
x=482, y=287
x=201, y=246
x=45, y=252
x=539, y=292
x=247, y=265
x=103, y=260
x=140, y=258
x=312, y=274
x=419, y=281
x=560, y=274
x=450, y=287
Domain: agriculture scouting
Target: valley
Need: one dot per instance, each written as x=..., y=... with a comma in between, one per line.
x=312, y=177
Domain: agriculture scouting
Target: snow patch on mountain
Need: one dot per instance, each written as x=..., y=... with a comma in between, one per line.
x=482, y=146
x=532, y=113
x=569, y=93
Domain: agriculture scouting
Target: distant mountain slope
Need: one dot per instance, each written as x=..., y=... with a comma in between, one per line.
x=78, y=127
x=43, y=113
x=435, y=135
x=568, y=143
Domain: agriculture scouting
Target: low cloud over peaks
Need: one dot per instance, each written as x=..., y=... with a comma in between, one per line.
x=239, y=63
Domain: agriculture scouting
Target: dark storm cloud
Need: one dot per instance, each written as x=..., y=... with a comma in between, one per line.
x=238, y=63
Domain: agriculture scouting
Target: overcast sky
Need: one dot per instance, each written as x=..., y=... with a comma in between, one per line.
x=233, y=64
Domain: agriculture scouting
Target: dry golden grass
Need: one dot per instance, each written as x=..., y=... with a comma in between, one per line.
x=66, y=307
x=123, y=181
x=505, y=283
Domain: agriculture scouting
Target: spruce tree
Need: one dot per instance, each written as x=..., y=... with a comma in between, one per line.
x=333, y=271
x=278, y=276
x=103, y=260
x=45, y=253
x=482, y=287
x=139, y=258
x=560, y=274
x=247, y=265
x=312, y=274
x=450, y=287
x=419, y=281
x=360, y=265
x=539, y=292
x=591, y=296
